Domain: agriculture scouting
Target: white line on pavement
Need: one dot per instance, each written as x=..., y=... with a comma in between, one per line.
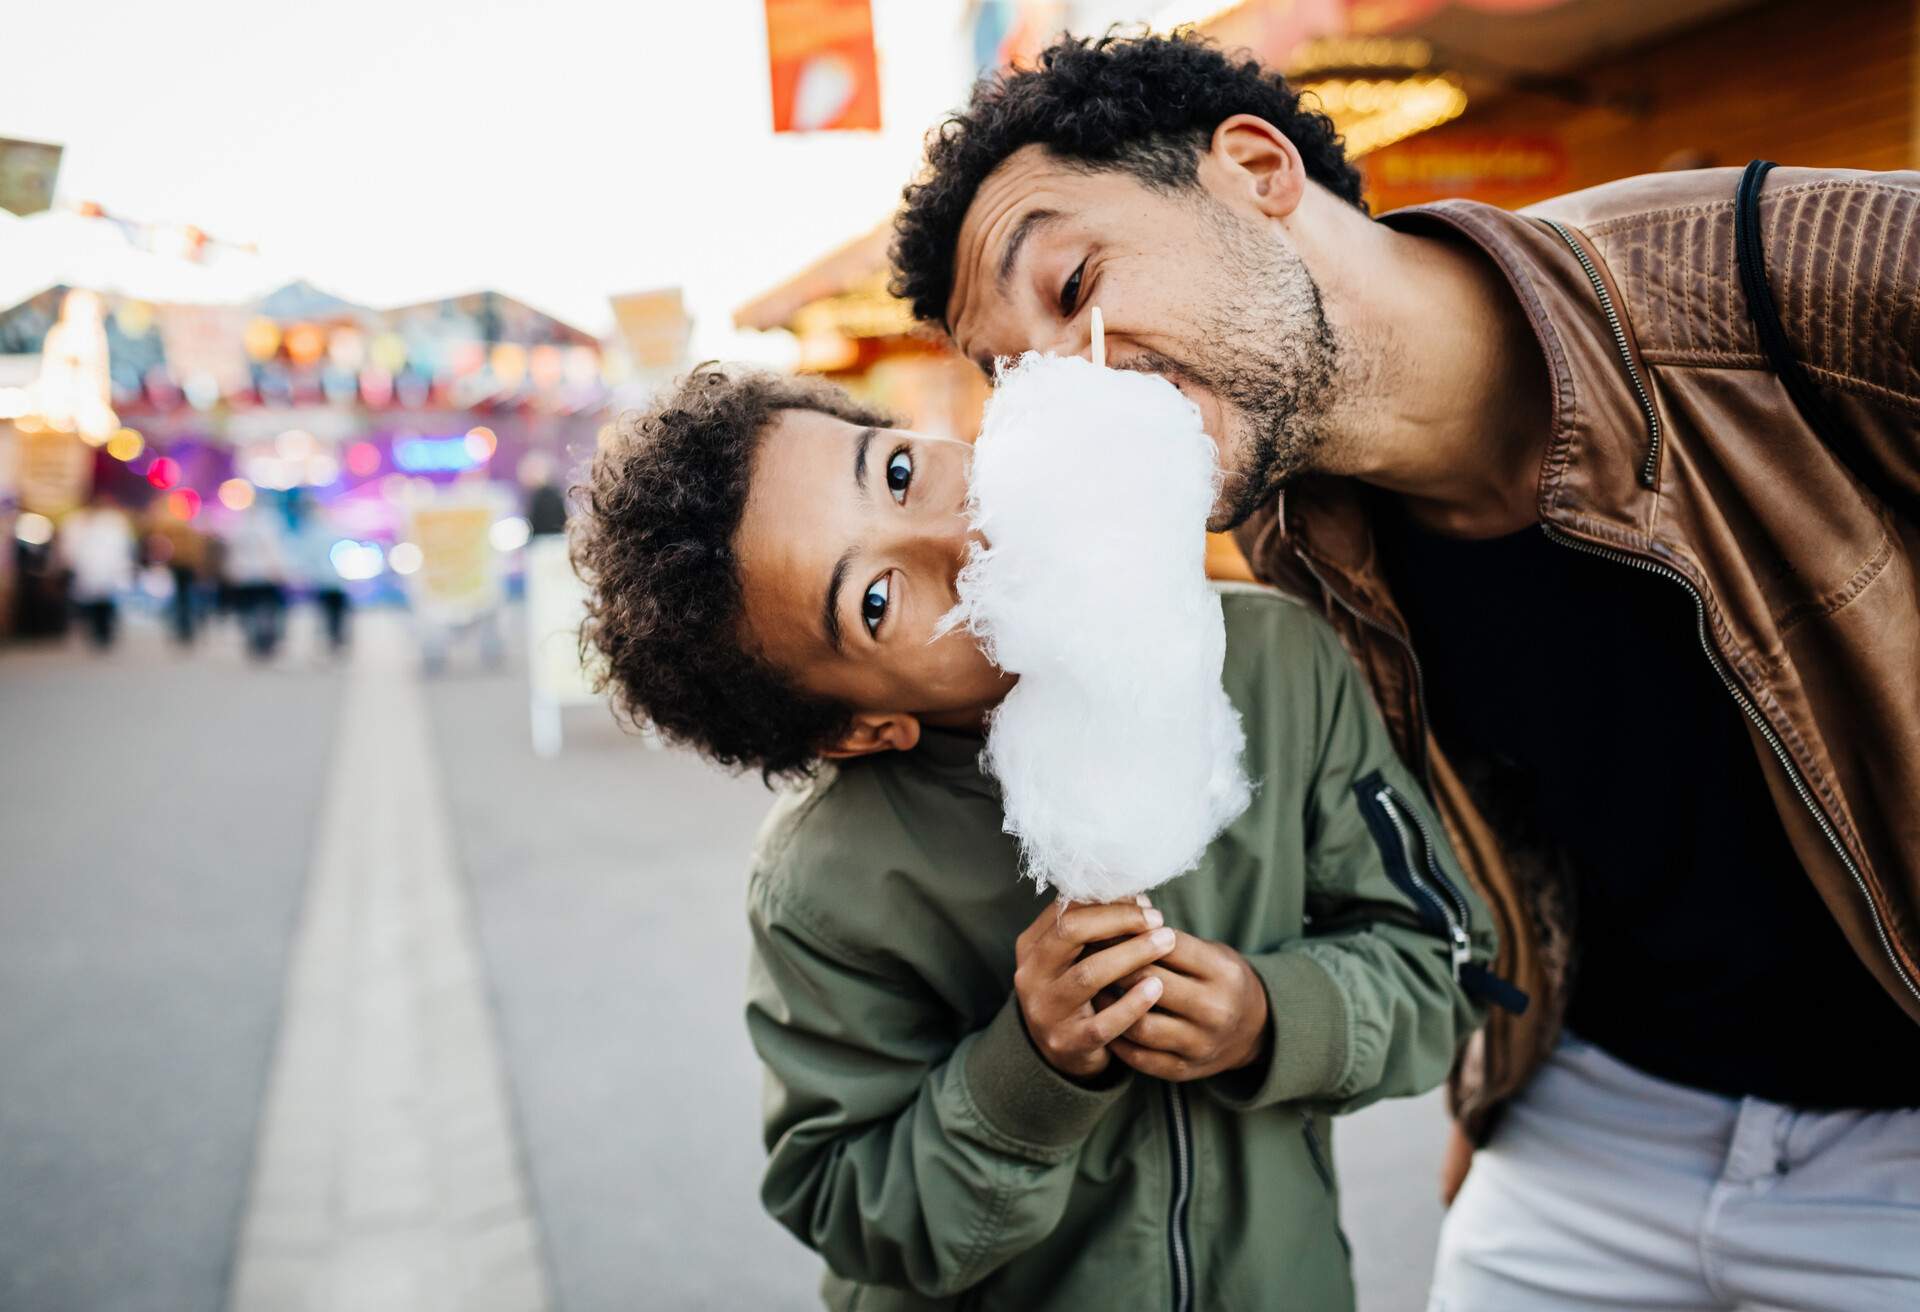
x=387, y=1174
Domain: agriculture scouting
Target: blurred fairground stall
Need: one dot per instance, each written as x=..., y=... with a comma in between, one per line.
x=174, y=377
x=1504, y=101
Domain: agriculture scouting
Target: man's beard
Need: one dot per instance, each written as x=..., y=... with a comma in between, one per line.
x=1263, y=347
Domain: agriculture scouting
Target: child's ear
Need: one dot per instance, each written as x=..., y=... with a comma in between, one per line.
x=876, y=731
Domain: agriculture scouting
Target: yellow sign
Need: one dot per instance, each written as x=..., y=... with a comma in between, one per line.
x=654, y=326
x=55, y=470
x=459, y=575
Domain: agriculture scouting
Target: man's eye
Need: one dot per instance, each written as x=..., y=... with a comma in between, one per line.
x=1070, y=294
x=873, y=606
x=899, y=474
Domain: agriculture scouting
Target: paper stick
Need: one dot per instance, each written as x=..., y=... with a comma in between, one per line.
x=1099, y=340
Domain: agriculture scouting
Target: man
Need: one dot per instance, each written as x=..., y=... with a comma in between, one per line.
x=1646, y=633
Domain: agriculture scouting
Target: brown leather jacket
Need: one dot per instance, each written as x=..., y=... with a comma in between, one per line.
x=1675, y=449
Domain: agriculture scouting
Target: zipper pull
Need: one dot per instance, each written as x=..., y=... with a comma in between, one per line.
x=1462, y=950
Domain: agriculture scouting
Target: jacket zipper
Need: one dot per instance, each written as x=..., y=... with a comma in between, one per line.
x=1452, y=907
x=1759, y=722
x=1419, y=674
x=1740, y=697
x=1651, y=464
x=1177, y=1245
x=1317, y=1154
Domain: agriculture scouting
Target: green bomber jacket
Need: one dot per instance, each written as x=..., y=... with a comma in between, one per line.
x=917, y=1140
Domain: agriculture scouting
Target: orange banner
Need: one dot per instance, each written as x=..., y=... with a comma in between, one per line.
x=826, y=77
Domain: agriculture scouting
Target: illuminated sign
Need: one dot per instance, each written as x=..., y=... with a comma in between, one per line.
x=421, y=455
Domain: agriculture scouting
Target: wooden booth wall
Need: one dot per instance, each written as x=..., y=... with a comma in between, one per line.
x=1822, y=83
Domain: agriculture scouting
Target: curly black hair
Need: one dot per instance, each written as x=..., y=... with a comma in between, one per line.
x=1144, y=105
x=653, y=541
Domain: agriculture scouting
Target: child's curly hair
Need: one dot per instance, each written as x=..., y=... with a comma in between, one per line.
x=653, y=541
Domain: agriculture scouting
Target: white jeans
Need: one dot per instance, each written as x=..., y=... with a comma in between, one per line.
x=1606, y=1188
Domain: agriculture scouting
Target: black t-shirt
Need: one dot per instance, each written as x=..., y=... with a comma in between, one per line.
x=1705, y=956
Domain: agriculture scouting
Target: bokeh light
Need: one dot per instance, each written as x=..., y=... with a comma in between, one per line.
x=389, y=352
x=164, y=472
x=508, y=361
x=262, y=339
x=405, y=558
x=363, y=459
x=127, y=444
x=34, y=530
x=481, y=444
x=509, y=534
x=183, y=503
x=347, y=349
x=321, y=470
x=236, y=494
x=356, y=560
x=306, y=343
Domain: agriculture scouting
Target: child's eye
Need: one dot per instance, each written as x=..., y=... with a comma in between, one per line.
x=873, y=606
x=899, y=474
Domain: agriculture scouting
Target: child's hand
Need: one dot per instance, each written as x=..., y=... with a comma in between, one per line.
x=1056, y=985
x=1212, y=1019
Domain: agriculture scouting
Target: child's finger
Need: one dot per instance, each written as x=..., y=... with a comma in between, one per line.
x=1148, y=1061
x=1117, y=1019
x=1078, y=982
x=1194, y=956
x=1058, y=936
x=1181, y=995
x=1170, y=1034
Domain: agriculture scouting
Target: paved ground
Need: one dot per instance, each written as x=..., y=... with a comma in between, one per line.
x=158, y=818
x=388, y=1176
x=163, y=820
x=608, y=888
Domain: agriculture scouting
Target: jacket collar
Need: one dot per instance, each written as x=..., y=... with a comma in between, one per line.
x=1589, y=472
x=953, y=757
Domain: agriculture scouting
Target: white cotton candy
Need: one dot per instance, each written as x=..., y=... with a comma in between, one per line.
x=1118, y=752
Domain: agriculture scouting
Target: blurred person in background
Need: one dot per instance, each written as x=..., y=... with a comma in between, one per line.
x=40, y=607
x=546, y=502
x=97, y=547
x=1616, y=500
x=256, y=575
x=311, y=538
x=176, y=544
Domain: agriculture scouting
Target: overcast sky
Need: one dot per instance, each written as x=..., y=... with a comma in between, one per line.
x=393, y=150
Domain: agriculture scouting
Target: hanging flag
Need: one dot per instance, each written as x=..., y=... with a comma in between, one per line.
x=825, y=75
x=27, y=173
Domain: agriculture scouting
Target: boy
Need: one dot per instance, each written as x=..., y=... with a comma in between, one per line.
x=977, y=1097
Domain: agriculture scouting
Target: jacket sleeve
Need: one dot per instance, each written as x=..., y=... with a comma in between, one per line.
x=1369, y=1004
x=901, y=1156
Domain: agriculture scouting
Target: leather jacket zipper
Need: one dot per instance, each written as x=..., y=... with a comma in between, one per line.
x=1433, y=883
x=1179, y=1249
x=1759, y=721
x=1651, y=465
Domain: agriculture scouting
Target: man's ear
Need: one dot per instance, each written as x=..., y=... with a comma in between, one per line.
x=1258, y=164
x=876, y=731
